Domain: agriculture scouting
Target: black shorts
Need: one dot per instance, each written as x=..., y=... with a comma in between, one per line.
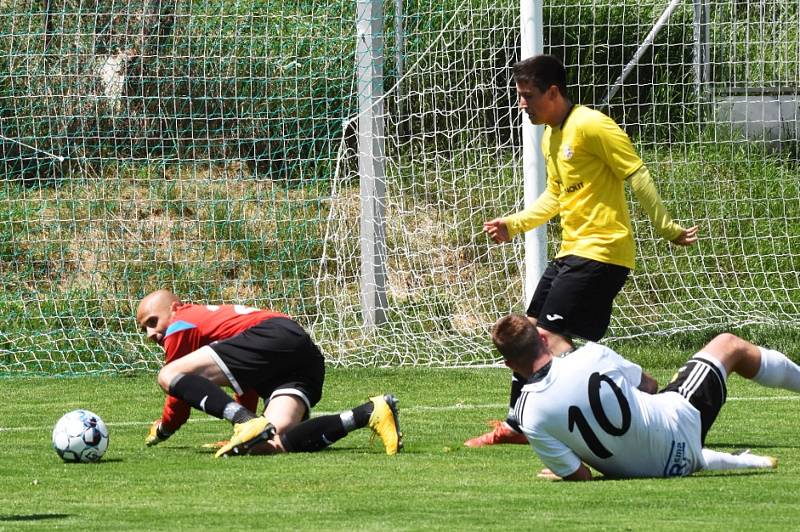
x=575, y=295
x=703, y=384
x=274, y=357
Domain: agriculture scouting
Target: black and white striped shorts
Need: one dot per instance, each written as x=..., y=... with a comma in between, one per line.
x=702, y=381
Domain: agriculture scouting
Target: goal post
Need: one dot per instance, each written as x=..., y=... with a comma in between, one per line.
x=371, y=164
x=534, y=174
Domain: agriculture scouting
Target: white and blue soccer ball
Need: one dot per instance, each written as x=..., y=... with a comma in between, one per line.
x=80, y=436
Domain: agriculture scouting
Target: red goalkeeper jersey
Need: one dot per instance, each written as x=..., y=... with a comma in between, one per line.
x=195, y=326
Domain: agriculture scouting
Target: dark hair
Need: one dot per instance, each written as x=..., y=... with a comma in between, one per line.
x=543, y=71
x=516, y=338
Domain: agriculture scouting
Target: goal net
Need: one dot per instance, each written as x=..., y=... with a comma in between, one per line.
x=210, y=147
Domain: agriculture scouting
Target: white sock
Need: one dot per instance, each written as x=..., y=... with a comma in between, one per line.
x=718, y=461
x=777, y=371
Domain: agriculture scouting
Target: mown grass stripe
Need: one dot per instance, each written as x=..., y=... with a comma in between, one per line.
x=412, y=409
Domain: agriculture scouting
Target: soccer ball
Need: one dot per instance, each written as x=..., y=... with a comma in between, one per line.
x=80, y=436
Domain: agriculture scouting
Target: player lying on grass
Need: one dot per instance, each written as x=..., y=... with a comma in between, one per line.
x=257, y=353
x=589, y=159
x=588, y=407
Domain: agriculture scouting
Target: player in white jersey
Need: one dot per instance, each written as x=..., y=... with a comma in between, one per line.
x=592, y=406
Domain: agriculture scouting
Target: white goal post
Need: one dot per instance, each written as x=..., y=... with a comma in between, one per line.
x=533, y=169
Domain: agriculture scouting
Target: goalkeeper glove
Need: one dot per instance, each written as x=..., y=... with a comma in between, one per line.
x=156, y=434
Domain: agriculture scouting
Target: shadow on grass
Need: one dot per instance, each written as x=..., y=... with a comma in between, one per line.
x=696, y=475
x=32, y=517
x=339, y=449
x=97, y=463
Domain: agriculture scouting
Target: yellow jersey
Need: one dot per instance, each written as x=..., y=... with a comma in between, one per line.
x=588, y=159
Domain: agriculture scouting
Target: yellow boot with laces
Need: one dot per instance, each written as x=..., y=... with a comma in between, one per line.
x=246, y=435
x=385, y=424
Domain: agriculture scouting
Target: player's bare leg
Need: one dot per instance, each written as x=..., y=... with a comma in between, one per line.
x=196, y=379
x=285, y=411
x=765, y=366
x=282, y=412
x=201, y=363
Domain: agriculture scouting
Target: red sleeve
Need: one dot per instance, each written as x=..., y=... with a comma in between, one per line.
x=175, y=413
x=181, y=344
x=249, y=400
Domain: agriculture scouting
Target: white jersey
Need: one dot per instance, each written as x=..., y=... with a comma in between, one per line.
x=588, y=408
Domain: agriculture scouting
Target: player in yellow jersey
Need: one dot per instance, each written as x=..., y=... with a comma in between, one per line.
x=589, y=159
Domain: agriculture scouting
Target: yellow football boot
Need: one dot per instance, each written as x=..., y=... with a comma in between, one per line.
x=246, y=435
x=384, y=422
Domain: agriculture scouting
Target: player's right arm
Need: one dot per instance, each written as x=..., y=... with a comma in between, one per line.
x=582, y=473
x=176, y=412
x=560, y=461
x=504, y=229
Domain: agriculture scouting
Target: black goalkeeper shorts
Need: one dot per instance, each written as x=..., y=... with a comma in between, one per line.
x=274, y=357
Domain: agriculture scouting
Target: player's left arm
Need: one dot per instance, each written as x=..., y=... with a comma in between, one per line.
x=606, y=140
x=175, y=411
x=648, y=384
x=645, y=191
x=631, y=371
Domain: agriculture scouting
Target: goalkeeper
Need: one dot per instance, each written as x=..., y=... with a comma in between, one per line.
x=257, y=353
x=589, y=159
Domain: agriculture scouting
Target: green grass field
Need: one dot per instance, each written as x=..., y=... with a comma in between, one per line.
x=434, y=484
